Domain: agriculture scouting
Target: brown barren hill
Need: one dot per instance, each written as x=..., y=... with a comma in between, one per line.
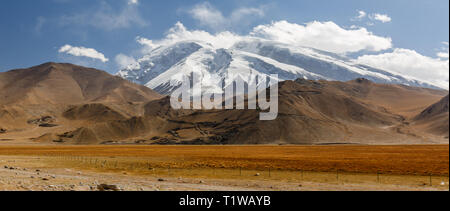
x=68, y=104
x=395, y=98
x=435, y=119
x=53, y=83
x=73, y=97
x=310, y=112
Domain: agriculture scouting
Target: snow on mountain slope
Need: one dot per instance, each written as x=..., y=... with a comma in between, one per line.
x=164, y=67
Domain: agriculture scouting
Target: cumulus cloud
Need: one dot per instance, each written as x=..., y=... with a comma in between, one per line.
x=381, y=17
x=124, y=61
x=83, y=52
x=105, y=17
x=179, y=33
x=326, y=36
x=207, y=15
x=410, y=63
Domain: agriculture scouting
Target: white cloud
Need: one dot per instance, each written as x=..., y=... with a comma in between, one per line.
x=374, y=17
x=326, y=36
x=130, y=2
x=146, y=42
x=443, y=55
x=105, y=17
x=124, y=61
x=209, y=16
x=179, y=33
x=410, y=63
x=381, y=17
x=444, y=51
x=361, y=15
x=83, y=52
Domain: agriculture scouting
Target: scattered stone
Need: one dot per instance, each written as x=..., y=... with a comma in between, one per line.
x=45, y=179
x=161, y=180
x=257, y=174
x=201, y=182
x=49, y=125
x=37, y=170
x=105, y=187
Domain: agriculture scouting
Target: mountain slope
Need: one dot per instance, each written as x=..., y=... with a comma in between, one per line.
x=162, y=69
x=435, y=119
x=66, y=96
x=310, y=112
x=68, y=104
x=75, y=84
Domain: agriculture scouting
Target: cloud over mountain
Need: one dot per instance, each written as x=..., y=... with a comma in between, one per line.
x=83, y=52
x=207, y=15
x=410, y=63
x=326, y=36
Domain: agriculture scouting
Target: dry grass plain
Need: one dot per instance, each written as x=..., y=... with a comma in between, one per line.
x=376, y=165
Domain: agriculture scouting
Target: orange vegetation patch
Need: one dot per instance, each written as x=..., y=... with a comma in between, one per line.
x=404, y=160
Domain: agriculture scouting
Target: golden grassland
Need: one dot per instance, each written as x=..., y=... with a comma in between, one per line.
x=411, y=160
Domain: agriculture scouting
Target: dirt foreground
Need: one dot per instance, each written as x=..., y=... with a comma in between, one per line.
x=232, y=168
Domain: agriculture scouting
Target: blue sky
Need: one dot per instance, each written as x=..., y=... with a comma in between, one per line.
x=34, y=32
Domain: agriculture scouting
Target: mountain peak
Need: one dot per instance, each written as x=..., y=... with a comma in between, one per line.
x=62, y=83
x=166, y=64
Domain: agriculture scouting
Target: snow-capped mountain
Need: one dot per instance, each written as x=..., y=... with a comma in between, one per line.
x=164, y=67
